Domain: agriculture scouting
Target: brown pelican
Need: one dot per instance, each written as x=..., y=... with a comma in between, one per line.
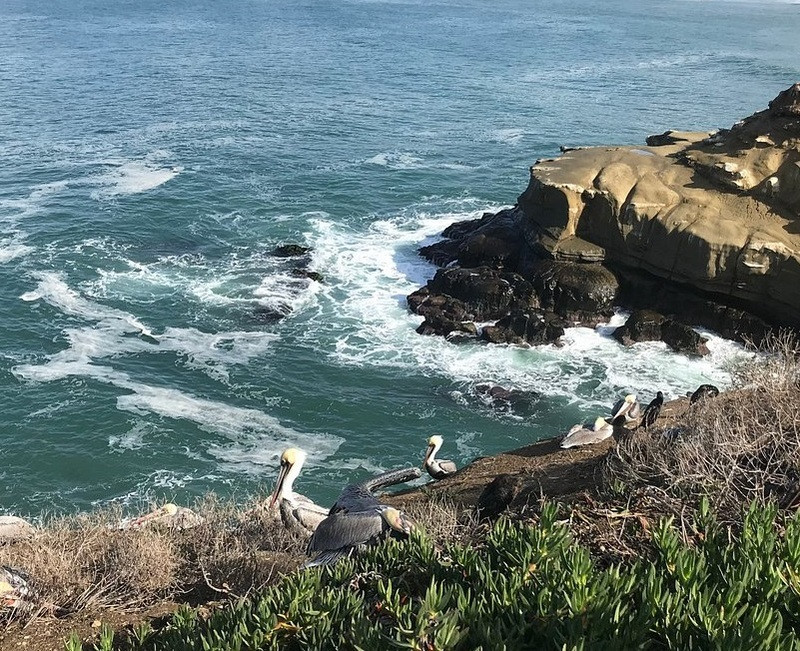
x=625, y=411
x=170, y=515
x=582, y=435
x=437, y=468
x=652, y=411
x=13, y=586
x=704, y=391
x=358, y=519
x=297, y=511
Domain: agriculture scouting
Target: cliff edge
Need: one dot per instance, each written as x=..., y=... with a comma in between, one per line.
x=719, y=212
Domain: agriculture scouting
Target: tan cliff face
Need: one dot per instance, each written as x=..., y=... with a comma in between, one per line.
x=720, y=212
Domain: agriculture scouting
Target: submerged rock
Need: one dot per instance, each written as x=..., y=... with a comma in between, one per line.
x=290, y=251
x=516, y=400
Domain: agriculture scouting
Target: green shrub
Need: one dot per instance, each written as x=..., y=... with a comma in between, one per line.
x=527, y=587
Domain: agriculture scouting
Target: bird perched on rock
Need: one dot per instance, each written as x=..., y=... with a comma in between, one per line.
x=297, y=511
x=358, y=519
x=652, y=411
x=497, y=496
x=13, y=586
x=587, y=435
x=625, y=411
x=437, y=468
x=704, y=391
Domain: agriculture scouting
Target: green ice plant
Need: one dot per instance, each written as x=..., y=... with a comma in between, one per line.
x=526, y=586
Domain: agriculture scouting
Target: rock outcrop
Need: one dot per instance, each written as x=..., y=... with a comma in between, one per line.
x=719, y=213
x=702, y=228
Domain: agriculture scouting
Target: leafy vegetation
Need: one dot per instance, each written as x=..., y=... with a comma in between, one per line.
x=525, y=586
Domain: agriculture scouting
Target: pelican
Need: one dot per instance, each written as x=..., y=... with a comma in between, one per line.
x=171, y=515
x=652, y=411
x=582, y=435
x=626, y=410
x=13, y=586
x=437, y=468
x=358, y=519
x=297, y=511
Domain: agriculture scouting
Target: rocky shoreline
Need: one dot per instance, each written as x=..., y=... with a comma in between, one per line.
x=693, y=229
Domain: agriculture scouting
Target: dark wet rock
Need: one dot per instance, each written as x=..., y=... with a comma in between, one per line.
x=311, y=275
x=642, y=325
x=290, y=251
x=643, y=291
x=269, y=315
x=683, y=339
x=533, y=328
x=516, y=400
x=579, y=292
x=493, y=241
x=453, y=330
x=444, y=315
x=487, y=293
x=497, y=496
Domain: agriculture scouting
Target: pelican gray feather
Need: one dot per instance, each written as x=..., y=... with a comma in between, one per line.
x=361, y=496
x=437, y=468
x=587, y=435
x=358, y=519
x=297, y=511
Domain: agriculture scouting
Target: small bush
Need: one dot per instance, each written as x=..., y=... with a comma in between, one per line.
x=85, y=561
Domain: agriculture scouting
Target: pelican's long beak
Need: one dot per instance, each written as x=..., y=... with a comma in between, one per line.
x=279, y=484
x=428, y=453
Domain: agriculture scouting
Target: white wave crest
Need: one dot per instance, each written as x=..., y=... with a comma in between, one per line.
x=376, y=270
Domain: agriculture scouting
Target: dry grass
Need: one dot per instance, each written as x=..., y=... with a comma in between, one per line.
x=86, y=562
x=742, y=445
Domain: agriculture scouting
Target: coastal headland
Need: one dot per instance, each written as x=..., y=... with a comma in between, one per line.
x=690, y=229
x=693, y=229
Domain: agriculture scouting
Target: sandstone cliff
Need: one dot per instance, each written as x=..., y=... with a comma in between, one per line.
x=717, y=212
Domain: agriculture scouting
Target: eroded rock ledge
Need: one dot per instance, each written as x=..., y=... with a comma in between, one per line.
x=703, y=228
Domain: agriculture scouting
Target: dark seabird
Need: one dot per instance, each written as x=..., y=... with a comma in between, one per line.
x=704, y=391
x=652, y=411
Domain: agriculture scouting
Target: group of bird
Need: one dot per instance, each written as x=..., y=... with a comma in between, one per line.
x=357, y=518
x=626, y=414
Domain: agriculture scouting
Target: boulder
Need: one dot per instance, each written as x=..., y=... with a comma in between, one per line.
x=487, y=293
x=642, y=325
x=290, y=251
x=683, y=339
x=532, y=328
x=493, y=241
x=584, y=293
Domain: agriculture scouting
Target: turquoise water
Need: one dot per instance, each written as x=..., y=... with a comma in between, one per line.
x=153, y=154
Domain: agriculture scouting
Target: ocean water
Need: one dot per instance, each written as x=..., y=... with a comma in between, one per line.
x=153, y=154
